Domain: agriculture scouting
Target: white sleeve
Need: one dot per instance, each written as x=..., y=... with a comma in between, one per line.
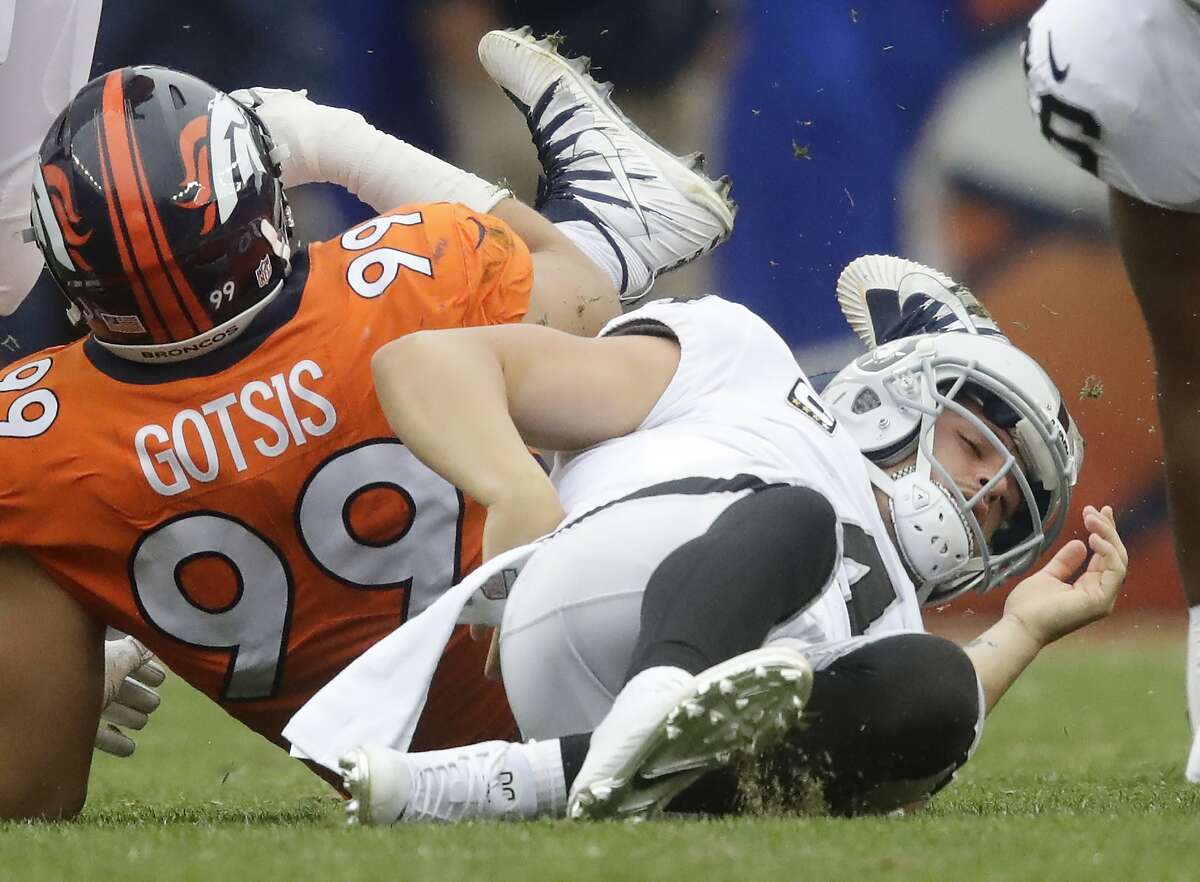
x=1113, y=86
x=723, y=347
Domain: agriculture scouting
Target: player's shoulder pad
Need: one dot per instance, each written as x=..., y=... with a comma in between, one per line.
x=712, y=329
x=709, y=310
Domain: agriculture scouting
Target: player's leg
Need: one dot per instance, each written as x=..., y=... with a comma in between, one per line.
x=633, y=207
x=660, y=593
x=333, y=144
x=611, y=625
x=1159, y=250
x=888, y=724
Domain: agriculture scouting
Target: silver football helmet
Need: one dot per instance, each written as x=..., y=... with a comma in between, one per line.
x=890, y=399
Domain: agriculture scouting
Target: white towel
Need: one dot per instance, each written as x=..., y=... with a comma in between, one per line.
x=379, y=697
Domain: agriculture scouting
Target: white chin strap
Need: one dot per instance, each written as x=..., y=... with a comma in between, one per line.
x=931, y=535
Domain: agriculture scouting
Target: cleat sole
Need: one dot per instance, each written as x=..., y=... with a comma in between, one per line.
x=705, y=732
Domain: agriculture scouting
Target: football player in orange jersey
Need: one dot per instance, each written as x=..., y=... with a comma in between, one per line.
x=236, y=498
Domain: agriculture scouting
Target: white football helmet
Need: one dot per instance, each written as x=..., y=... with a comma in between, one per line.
x=889, y=401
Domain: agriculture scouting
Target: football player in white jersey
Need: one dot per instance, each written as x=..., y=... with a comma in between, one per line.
x=719, y=531
x=1114, y=85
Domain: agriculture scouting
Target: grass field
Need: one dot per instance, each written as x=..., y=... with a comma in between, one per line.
x=1078, y=777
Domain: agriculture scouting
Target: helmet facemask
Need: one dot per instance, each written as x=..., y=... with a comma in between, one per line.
x=933, y=520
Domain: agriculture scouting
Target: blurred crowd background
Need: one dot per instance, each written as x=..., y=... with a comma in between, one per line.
x=848, y=126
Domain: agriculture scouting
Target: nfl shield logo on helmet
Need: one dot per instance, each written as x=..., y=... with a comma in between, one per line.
x=262, y=272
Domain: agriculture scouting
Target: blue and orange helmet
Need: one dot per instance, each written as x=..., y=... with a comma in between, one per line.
x=160, y=212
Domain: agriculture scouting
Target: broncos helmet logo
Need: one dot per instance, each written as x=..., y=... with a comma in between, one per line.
x=219, y=156
x=56, y=220
x=196, y=190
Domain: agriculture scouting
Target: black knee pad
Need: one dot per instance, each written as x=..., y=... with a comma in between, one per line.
x=932, y=705
x=887, y=725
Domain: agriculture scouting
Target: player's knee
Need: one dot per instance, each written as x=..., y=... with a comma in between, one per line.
x=780, y=532
x=934, y=700
x=780, y=514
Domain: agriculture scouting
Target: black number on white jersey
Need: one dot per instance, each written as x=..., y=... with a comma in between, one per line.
x=1083, y=130
x=871, y=591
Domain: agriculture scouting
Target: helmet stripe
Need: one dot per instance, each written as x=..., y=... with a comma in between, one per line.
x=146, y=306
x=126, y=194
x=179, y=283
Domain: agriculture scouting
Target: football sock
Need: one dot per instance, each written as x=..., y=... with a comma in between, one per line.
x=627, y=272
x=543, y=760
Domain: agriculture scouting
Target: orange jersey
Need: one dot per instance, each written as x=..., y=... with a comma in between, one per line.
x=248, y=514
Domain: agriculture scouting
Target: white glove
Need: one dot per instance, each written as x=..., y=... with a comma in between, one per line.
x=339, y=146
x=130, y=675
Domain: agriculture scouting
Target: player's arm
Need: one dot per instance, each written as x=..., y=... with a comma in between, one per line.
x=1050, y=604
x=336, y=145
x=52, y=656
x=467, y=402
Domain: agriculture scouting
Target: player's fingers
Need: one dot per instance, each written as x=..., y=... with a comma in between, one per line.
x=491, y=668
x=1066, y=561
x=137, y=696
x=151, y=673
x=112, y=740
x=125, y=717
x=1106, y=530
x=1107, y=544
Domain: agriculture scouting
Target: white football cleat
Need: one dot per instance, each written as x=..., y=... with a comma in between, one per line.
x=667, y=728
x=660, y=204
x=885, y=298
x=474, y=782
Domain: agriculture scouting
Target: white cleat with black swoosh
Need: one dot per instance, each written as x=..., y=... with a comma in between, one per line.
x=661, y=205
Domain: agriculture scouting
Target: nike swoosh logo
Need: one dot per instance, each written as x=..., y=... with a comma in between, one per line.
x=596, y=142
x=1059, y=73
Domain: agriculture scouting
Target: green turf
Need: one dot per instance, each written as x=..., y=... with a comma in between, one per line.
x=1078, y=777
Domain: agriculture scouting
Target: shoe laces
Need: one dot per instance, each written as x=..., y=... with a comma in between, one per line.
x=456, y=789
x=554, y=156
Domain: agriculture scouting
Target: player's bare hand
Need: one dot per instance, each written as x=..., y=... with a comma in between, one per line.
x=1053, y=602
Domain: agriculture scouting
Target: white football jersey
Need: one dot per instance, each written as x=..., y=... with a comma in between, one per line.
x=740, y=405
x=1115, y=85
